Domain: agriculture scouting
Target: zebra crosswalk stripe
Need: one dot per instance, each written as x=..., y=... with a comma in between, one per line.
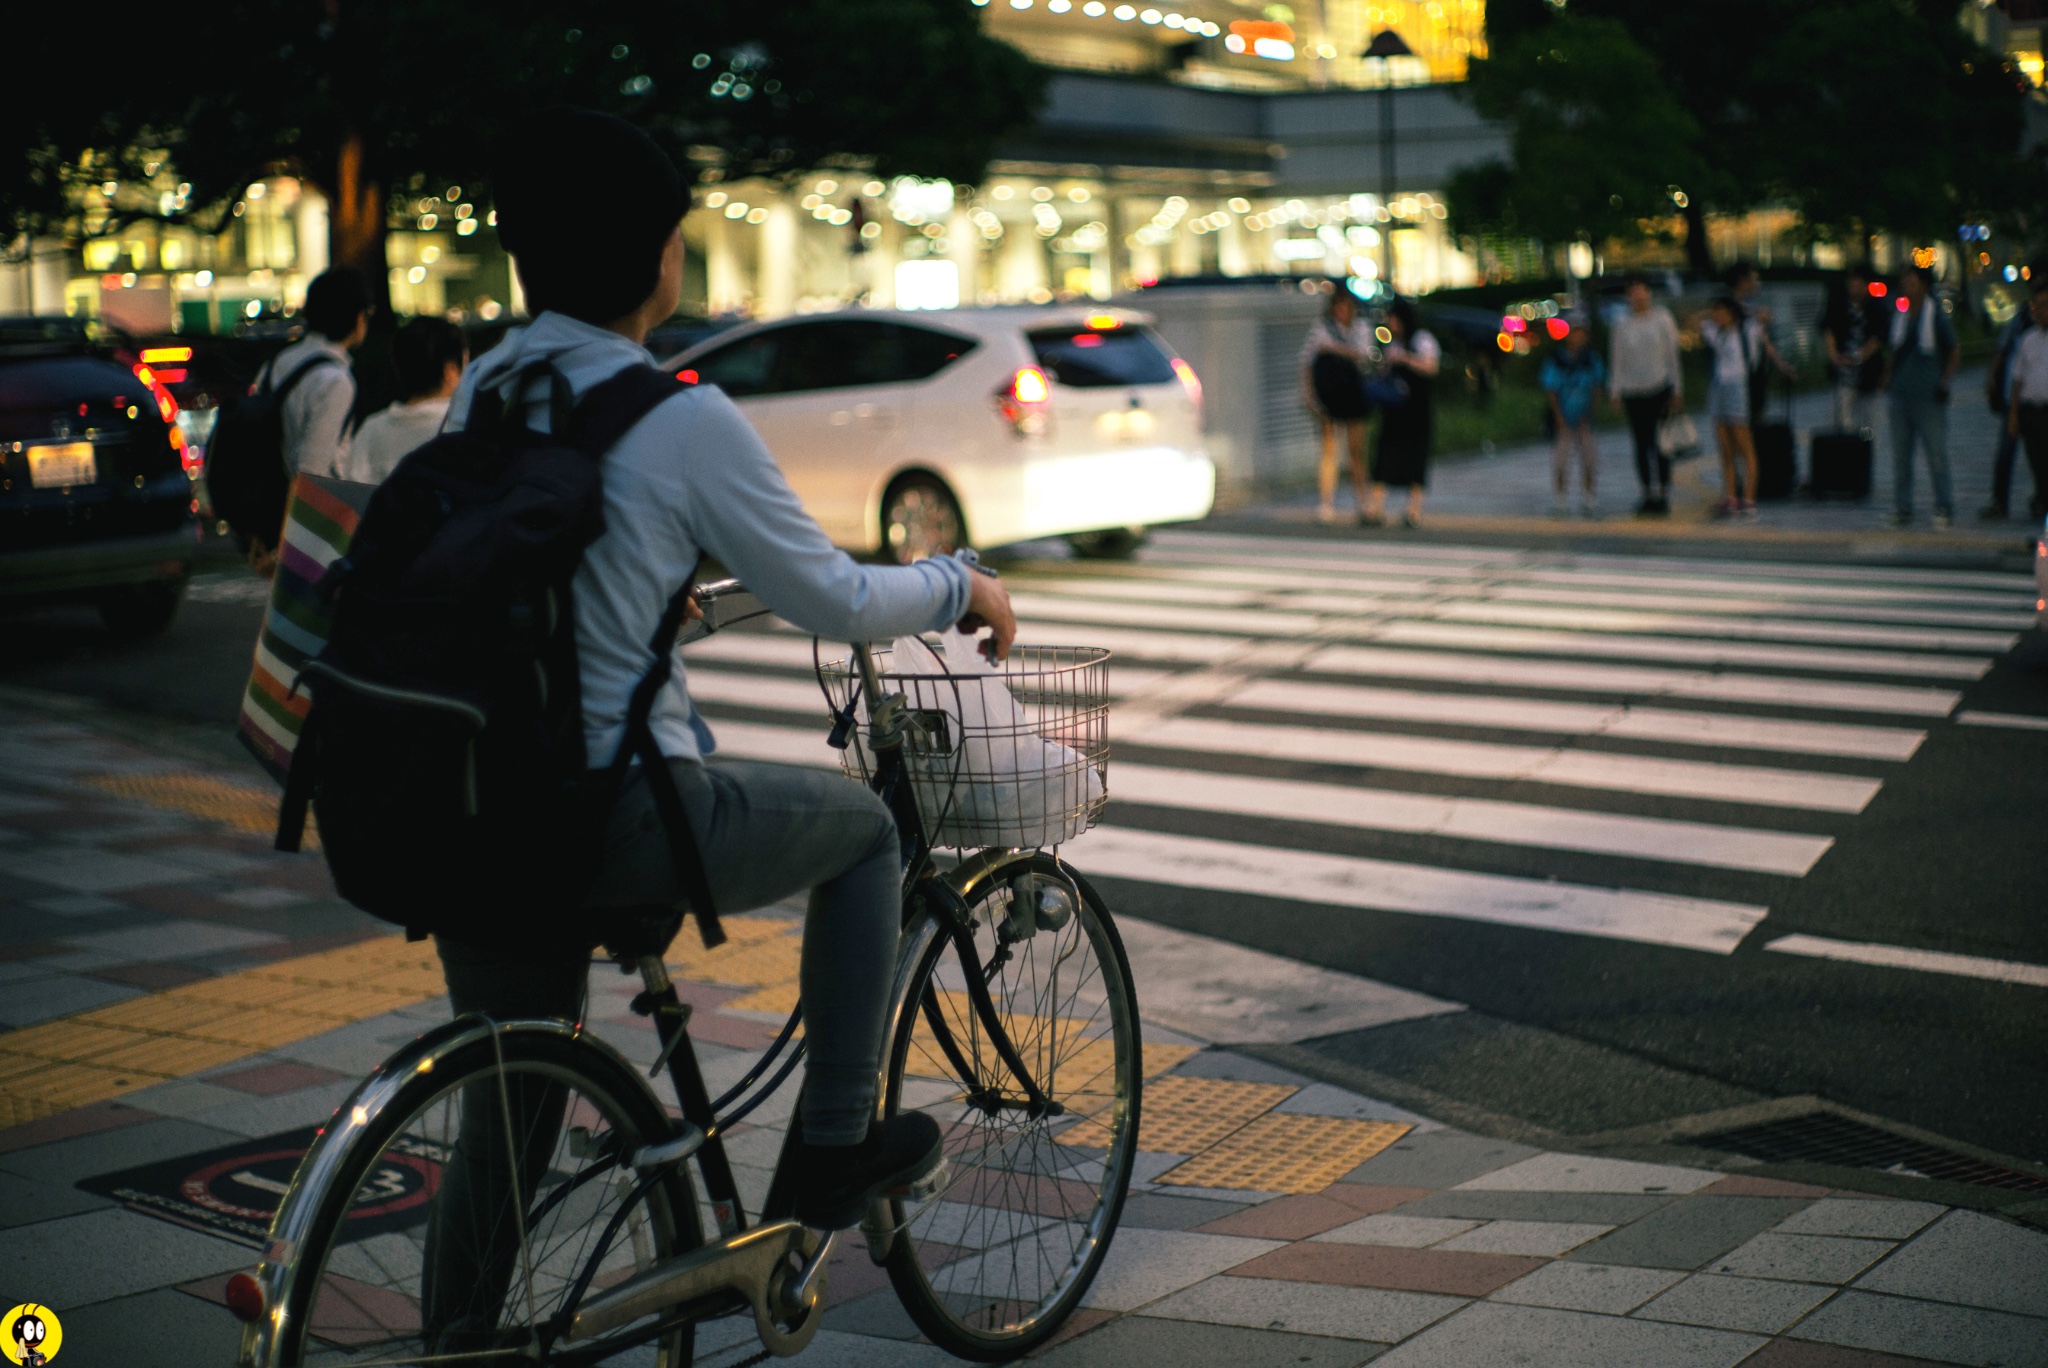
x=1767, y=702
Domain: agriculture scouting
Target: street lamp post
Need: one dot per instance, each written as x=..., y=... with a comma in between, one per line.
x=1385, y=46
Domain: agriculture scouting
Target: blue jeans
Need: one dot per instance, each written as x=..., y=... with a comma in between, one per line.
x=1919, y=416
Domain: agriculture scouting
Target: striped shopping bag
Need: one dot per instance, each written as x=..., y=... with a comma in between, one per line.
x=319, y=523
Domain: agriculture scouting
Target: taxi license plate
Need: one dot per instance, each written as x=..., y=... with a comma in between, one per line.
x=61, y=466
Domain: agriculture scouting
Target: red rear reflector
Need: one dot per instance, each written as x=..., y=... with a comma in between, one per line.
x=688, y=377
x=244, y=1297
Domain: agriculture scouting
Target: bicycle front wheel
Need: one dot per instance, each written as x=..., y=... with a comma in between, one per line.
x=995, y=1262
x=468, y=1210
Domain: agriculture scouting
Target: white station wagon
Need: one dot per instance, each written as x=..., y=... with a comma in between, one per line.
x=910, y=434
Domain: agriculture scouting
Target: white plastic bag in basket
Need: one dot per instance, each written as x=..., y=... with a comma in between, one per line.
x=1014, y=787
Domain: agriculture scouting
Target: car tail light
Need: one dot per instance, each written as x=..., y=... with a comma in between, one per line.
x=1190, y=382
x=1024, y=400
x=165, y=404
x=688, y=376
x=244, y=1296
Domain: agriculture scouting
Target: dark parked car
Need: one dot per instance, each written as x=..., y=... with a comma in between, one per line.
x=95, y=502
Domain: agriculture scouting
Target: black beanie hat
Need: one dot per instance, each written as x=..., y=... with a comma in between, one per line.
x=586, y=202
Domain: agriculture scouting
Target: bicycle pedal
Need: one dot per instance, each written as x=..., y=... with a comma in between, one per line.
x=926, y=1187
x=880, y=1235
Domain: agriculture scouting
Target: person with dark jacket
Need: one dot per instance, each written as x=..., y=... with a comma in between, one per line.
x=1997, y=394
x=1407, y=429
x=1924, y=357
x=1854, y=329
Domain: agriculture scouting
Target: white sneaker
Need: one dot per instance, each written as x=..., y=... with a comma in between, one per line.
x=1941, y=522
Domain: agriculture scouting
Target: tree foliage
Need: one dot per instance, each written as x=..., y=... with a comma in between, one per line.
x=1863, y=115
x=1597, y=139
x=360, y=95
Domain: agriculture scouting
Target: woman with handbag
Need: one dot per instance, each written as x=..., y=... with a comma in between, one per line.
x=1643, y=377
x=1407, y=414
x=1333, y=386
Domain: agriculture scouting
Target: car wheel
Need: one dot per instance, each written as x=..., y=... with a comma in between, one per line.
x=921, y=518
x=141, y=610
x=1113, y=543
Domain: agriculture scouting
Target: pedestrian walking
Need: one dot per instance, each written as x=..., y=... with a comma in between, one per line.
x=1645, y=380
x=337, y=314
x=1924, y=357
x=1854, y=329
x=1407, y=428
x=1731, y=341
x=1746, y=288
x=427, y=359
x=1573, y=375
x=2026, y=415
x=1333, y=386
x=1997, y=394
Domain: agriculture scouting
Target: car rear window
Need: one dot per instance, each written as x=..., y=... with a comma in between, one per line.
x=1098, y=357
x=830, y=354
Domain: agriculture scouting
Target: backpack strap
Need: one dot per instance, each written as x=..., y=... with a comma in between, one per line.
x=639, y=741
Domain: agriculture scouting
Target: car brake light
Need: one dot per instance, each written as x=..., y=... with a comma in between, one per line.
x=687, y=376
x=1104, y=322
x=165, y=404
x=1189, y=381
x=1023, y=401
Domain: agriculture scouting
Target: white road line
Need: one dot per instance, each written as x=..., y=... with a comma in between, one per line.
x=1580, y=719
x=1535, y=764
x=1745, y=629
x=1926, y=961
x=1824, y=658
x=1229, y=994
x=2019, y=721
x=1472, y=819
x=1468, y=667
x=782, y=745
x=1790, y=605
x=786, y=649
x=1382, y=885
x=1246, y=621
x=801, y=695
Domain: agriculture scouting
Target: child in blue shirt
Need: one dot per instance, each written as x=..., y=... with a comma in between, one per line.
x=1572, y=375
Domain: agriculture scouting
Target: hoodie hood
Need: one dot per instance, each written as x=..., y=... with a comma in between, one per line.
x=584, y=353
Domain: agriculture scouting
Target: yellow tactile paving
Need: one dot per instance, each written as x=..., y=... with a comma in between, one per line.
x=1282, y=1152
x=1188, y=1115
x=241, y=807
x=57, y=1065
x=757, y=955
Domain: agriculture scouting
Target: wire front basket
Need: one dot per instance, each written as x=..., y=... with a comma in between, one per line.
x=1015, y=757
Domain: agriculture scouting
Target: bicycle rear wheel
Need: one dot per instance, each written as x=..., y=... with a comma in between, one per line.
x=994, y=1263
x=418, y=1253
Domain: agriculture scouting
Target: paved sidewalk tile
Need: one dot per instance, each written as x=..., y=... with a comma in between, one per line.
x=1689, y=1233
x=1526, y=1237
x=1611, y=1289
x=1577, y=1173
x=24, y=1201
x=1785, y=1353
x=105, y=1254
x=1437, y=1159
x=878, y=1313
x=1744, y=1185
x=271, y=1080
x=1973, y=1259
x=1307, y=1308
x=833, y=1350
x=1802, y=1258
x=1947, y=1334
x=1320, y=1099
x=1491, y=1335
x=1145, y=1265
x=1145, y=1343
x=1399, y=1270
x=164, y=1329
x=1877, y=1220
x=57, y=995
x=1310, y=1213
x=1597, y=1208
x=1159, y=1211
x=91, y=1155
x=1401, y=1231
x=1735, y=1303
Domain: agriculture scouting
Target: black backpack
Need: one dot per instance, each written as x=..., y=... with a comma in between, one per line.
x=444, y=748
x=246, y=476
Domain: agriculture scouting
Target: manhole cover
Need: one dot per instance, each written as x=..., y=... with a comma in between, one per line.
x=1824, y=1138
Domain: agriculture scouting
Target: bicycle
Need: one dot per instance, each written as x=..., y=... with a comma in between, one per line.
x=1013, y=1020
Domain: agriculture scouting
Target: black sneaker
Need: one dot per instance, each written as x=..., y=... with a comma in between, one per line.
x=835, y=1183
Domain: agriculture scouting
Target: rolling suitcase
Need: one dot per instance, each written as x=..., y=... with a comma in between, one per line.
x=1840, y=464
x=1777, y=473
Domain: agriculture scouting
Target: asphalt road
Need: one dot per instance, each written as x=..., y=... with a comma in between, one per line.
x=1580, y=1033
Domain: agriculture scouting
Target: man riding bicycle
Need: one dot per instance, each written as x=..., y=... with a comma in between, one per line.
x=693, y=479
